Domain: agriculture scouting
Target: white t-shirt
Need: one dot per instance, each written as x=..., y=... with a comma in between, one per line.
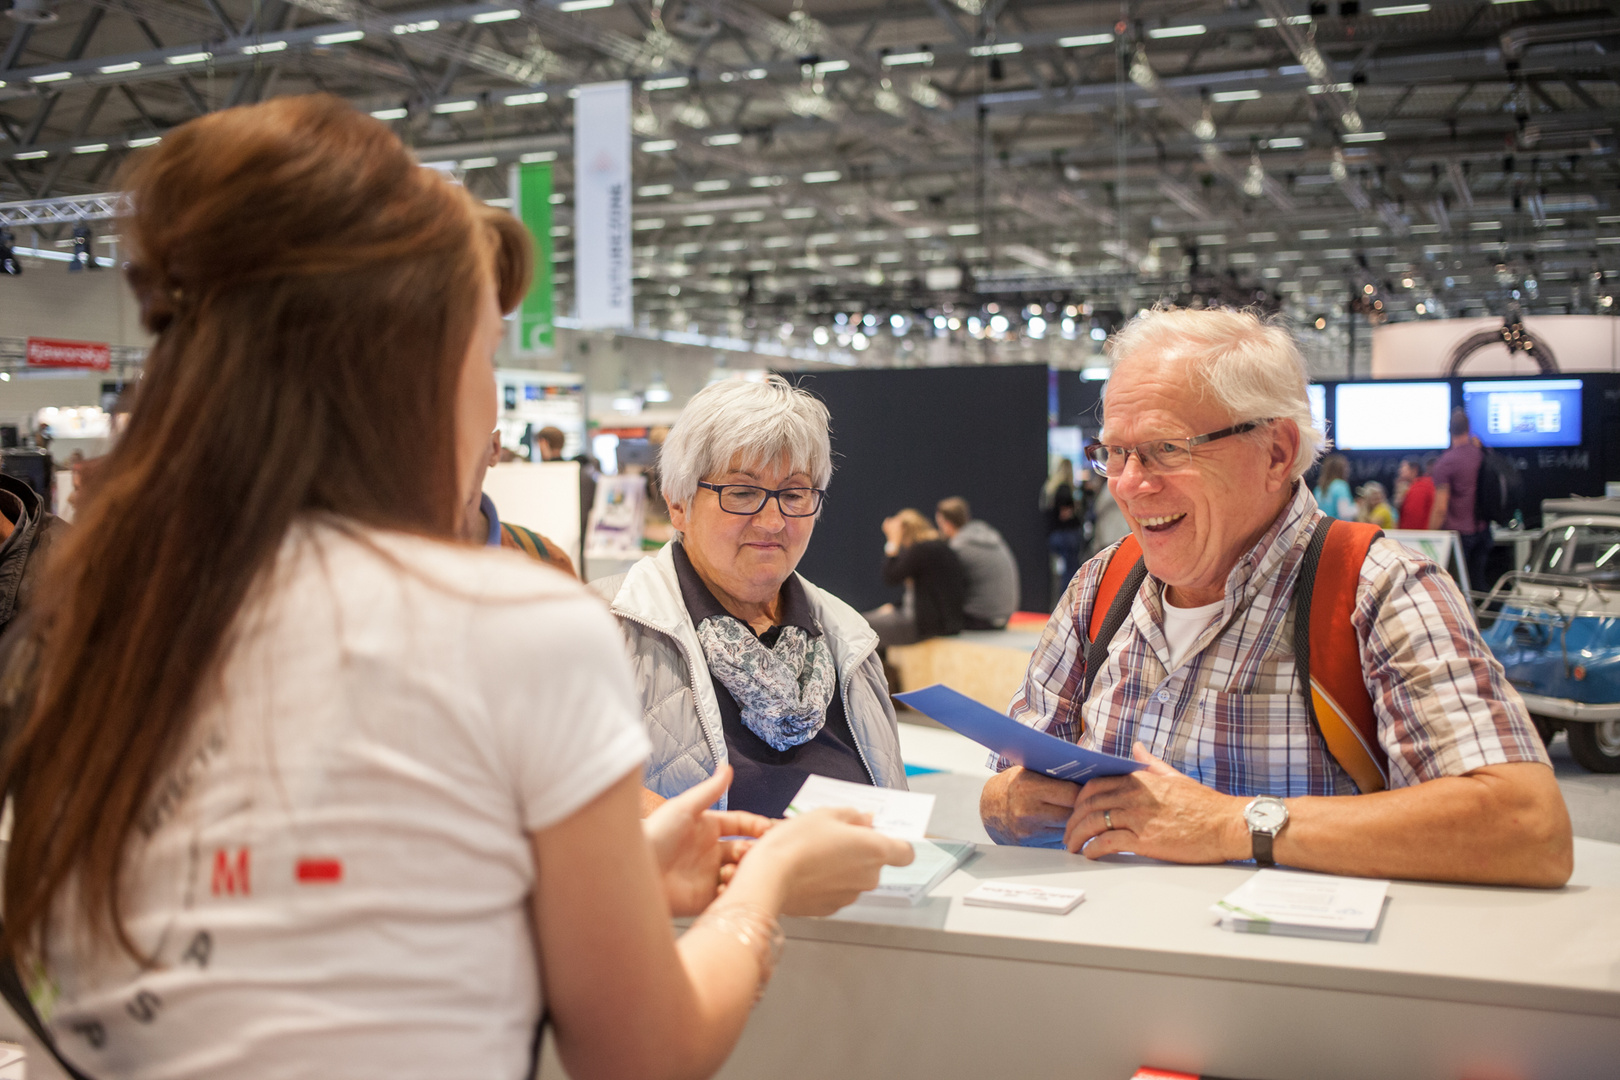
x=1182, y=625
x=335, y=877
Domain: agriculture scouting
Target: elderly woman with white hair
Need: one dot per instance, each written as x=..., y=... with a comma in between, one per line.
x=737, y=658
x=1399, y=751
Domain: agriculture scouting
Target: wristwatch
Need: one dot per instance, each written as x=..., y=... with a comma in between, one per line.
x=1266, y=817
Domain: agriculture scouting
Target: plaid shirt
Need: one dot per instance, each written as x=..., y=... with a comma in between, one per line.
x=1233, y=716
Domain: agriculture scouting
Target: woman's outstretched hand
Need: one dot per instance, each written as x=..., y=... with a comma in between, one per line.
x=818, y=862
x=685, y=836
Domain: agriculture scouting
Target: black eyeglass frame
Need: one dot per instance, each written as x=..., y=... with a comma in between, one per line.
x=766, y=495
x=1190, y=442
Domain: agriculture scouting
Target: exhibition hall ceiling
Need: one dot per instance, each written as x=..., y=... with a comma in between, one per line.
x=1071, y=159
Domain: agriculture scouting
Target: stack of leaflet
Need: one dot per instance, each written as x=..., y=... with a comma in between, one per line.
x=899, y=886
x=1304, y=905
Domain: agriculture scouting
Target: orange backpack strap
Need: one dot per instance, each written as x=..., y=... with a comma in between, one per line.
x=1121, y=581
x=1327, y=654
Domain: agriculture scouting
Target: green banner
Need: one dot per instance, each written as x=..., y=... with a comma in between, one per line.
x=531, y=199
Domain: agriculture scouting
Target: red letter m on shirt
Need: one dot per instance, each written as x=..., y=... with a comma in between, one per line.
x=231, y=876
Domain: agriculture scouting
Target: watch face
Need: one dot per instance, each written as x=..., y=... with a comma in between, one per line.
x=1267, y=815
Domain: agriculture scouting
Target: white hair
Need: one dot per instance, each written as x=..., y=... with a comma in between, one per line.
x=754, y=423
x=1252, y=367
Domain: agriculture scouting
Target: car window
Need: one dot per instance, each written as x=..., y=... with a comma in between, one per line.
x=1588, y=551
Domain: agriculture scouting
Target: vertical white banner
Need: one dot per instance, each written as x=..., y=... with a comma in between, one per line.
x=602, y=205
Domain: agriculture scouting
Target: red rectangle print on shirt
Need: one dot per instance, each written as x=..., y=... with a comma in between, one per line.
x=319, y=871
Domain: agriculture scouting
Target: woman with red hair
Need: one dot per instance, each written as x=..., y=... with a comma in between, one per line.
x=302, y=786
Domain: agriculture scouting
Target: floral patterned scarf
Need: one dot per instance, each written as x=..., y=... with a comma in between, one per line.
x=783, y=691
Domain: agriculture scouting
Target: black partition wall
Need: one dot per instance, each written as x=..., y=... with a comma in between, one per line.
x=912, y=436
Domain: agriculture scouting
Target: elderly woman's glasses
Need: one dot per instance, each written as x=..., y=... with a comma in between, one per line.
x=1159, y=455
x=746, y=499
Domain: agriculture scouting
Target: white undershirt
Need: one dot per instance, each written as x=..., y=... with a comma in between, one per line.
x=1182, y=625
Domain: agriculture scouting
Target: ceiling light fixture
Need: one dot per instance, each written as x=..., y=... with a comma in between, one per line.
x=1177, y=31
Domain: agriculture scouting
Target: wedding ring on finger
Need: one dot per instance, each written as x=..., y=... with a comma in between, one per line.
x=1108, y=818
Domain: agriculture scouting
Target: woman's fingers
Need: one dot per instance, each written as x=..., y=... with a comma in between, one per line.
x=740, y=823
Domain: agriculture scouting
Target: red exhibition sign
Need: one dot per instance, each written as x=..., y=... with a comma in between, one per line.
x=46, y=352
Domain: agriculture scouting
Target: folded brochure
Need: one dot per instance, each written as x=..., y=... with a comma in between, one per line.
x=902, y=885
x=1304, y=905
x=1018, y=743
x=901, y=814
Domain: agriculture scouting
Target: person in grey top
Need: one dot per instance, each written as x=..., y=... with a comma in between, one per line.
x=992, y=572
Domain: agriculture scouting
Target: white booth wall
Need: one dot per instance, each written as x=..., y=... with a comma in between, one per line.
x=1421, y=349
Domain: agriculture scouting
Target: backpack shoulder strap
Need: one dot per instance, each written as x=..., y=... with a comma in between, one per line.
x=1337, y=700
x=1121, y=581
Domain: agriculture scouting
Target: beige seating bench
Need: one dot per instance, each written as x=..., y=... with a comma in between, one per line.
x=986, y=665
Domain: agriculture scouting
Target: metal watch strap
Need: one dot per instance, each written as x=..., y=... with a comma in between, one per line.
x=1262, y=847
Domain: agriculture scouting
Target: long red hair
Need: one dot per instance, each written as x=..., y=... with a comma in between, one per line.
x=313, y=291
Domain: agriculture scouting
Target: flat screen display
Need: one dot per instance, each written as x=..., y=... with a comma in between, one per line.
x=1318, y=396
x=1525, y=412
x=1392, y=416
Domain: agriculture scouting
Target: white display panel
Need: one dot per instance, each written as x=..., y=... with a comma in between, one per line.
x=1318, y=397
x=543, y=497
x=1392, y=416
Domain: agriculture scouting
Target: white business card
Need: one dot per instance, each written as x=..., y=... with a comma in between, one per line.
x=901, y=814
x=1047, y=899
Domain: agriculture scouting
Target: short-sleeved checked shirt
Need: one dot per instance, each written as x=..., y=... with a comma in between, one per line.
x=1233, y=717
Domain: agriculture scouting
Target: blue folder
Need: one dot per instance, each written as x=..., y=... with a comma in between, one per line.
x=1034, y=750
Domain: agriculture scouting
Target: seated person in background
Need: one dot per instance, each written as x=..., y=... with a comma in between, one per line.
x=1206, y=433
x=1372, y=505
x=737, y=658
x=914, y=556
x=1414, y=493
x=987, y=563
x=304, y=786
x=480, y=524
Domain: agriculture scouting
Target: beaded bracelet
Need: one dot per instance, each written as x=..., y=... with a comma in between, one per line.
x=758, y=931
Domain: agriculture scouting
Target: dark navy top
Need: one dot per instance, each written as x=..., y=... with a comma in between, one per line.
x=766, y=780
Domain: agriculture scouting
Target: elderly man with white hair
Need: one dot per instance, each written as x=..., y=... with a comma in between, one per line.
x=737, y=658
x=1206, y=433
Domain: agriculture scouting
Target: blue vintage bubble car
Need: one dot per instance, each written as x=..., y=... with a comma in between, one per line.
x=1557, y=630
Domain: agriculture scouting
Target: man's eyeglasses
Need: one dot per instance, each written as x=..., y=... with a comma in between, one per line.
x=746, y=500
x=1159, y=455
